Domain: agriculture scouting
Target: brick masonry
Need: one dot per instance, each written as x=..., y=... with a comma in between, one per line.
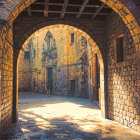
x=6, y=64
x=24, y=76
x=123, y=92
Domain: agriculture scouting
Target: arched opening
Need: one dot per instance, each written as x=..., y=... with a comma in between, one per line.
x=126, y=94
x=93, y=57
x=127, y=10
x=78, y=62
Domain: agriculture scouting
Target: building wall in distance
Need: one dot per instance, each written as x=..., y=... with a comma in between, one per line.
x=63, y=50
x=24, y=76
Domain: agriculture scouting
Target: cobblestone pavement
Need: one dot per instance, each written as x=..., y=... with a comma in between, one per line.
x=44, y=117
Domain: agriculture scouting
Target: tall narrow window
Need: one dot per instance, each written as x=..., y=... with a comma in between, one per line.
x=72, y=38
x=27, y=55
x=34, y=53
x=120, y=50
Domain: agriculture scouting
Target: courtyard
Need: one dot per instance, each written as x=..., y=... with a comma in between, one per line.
x=43, y=117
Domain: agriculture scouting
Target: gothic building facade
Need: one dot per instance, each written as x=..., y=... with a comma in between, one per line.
x=59, y=60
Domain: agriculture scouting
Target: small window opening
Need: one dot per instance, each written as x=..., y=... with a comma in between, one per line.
x=120, y=50
x=72, y=38
x=34, y=53
x=27, y=55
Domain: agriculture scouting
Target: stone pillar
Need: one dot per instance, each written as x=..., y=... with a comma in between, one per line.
x=138, y=77
x=0, y=72
x=103, y=90
x=15, y=86
x=0, y=91
x=94, y=78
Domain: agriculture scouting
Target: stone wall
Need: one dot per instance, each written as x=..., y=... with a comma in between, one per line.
x=95, y=29
x=23, y=72
x=6, y=76
x=123, y=94
x=53, y=49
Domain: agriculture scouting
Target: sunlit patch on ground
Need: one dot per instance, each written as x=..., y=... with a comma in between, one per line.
x=64, y=118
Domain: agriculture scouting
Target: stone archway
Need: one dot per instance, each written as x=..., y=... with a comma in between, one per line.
x=95, y=50
x=125, y=9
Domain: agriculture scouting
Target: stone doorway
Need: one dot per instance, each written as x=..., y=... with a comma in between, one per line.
x=50, y=79
x=72, y=83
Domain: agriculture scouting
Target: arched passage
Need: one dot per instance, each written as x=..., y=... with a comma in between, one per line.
x=94, y=50
x=125, y=9
x=128, y=12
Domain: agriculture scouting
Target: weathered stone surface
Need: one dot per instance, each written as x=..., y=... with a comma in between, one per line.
x=122, y=76
x=53, y=48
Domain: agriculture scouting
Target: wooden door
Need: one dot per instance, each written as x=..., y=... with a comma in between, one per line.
x=72, y=87
x=50, y=79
